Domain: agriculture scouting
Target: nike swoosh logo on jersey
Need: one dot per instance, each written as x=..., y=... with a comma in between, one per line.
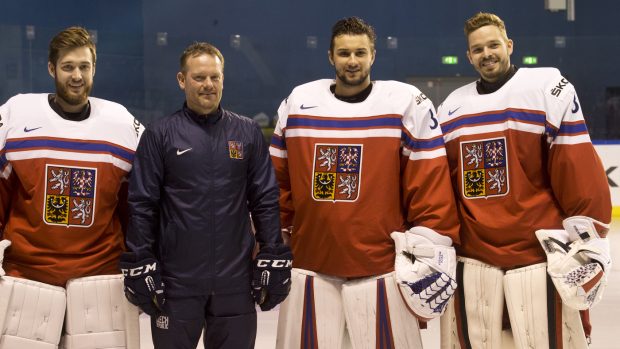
x=181, y=152
x=450, y=112
x=26, y=129
x=303, y=107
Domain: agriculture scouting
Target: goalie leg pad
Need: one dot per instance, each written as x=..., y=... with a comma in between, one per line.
x=99, y=315
x=377, y=316
x=31, y=314
x=573, y=335
x=312, y=315
x=526, y=301
x=483, y=304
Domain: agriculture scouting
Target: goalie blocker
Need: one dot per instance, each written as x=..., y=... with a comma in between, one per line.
x=425, y=269
x=97, y=314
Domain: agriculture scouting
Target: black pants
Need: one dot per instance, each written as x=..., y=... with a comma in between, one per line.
x=229, y=322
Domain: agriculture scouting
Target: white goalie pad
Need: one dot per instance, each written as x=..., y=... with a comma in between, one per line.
x=99, y=315
x=526, y=300
x=377, y=316
x=31, y=314
x=482, y=306
x=3, y=245
x=313, y=311
x=579, y=280
x=425, y=269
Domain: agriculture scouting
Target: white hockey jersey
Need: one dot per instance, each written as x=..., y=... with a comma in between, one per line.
x=521, y=160
x=351, y=173
x=60, y=182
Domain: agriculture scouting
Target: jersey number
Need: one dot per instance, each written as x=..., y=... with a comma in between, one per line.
x=435, y=122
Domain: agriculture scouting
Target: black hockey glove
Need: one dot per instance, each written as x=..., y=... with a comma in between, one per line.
x=143, y=285
x=272, y=275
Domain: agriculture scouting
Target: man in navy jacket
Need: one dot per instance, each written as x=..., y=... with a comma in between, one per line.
x=198, y=176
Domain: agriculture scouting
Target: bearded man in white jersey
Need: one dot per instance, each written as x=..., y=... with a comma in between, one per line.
x=364, y=191
x=533, y=200
x=64, y=162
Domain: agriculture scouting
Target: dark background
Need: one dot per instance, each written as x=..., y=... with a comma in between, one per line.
x=272, y=54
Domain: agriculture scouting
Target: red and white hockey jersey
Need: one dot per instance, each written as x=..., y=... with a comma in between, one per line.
x=351, y=173
x=521, y=160
x=60, y=182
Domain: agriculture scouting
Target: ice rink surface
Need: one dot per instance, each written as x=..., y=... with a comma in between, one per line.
x=605, y=316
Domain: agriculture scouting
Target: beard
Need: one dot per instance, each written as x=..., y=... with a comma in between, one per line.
x=502, y=69
x=62, y=92
x=342, y=76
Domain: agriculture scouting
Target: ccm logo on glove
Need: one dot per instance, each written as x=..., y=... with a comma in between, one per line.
x=140, y=270
x=274, y=263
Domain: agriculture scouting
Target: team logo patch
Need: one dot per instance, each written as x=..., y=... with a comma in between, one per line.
x=235, y=150
x=484, y=167
x=337, y=172
x=69, y=195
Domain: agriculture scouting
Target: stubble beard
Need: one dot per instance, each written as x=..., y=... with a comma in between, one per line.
x=62, y=92
x=350, y=82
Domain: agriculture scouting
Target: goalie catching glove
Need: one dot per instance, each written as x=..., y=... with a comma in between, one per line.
x=3, y=245
x=425, y=269
x=143, y=285
x=272, y=275
x=577, y=261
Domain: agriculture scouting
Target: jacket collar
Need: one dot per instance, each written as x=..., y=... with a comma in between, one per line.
x=210, y=119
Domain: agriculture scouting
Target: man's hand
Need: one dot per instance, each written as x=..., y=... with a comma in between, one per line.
x=3, y=245
x=143, y=285
x=272, y=275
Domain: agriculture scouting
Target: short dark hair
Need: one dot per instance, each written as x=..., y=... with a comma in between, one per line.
x=70, y=38
x=197, y=49
x=353, y=26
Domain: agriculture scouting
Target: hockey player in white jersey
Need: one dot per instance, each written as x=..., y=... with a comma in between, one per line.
x=64, y=162
x=359, y=162
x=533, y=200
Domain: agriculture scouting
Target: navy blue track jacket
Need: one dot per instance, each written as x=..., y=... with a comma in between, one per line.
x=194, y=182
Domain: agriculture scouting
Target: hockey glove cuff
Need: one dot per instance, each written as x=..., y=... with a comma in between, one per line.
x=143, y=285
x=272, y=275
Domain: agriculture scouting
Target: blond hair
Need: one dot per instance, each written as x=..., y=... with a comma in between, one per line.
x=482, y=19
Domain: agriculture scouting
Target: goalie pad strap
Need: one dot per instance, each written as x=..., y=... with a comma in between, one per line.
x=114, y=339
x=36, y=311
x=11, y=342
